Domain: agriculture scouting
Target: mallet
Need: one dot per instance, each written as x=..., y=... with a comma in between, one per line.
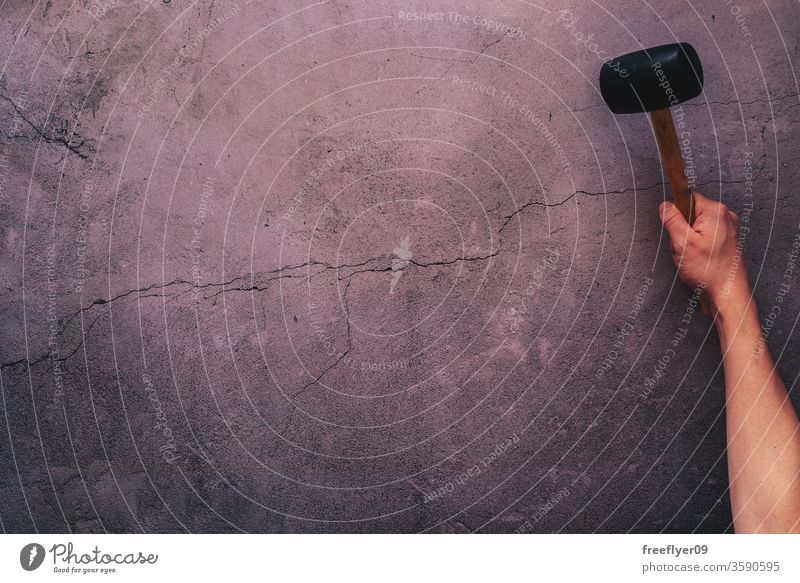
x=653, y=80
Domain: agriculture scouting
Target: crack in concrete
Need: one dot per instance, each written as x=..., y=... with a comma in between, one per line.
x=456, y=260
x=454, y=61
x=753, y=102
x=349, y=330
x=78, y=347
x=324, y=372
x=609, y=192
x=179, y=281
x=256, y=287
x=261, y=286
x=570, y=197
x=419, y=264
x=47, y=356
x=72, y=146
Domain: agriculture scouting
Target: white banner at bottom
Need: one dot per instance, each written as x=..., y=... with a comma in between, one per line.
x=389, y=558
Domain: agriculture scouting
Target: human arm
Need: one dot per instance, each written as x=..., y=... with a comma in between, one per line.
x=763, y=430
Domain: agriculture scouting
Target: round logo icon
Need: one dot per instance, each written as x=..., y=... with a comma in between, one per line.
x=31, y=556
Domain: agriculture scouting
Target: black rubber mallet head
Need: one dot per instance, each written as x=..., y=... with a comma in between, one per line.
x=653, y=80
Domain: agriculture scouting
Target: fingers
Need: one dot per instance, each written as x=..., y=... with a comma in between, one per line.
x=674, y=223
x=702, y=203
x=705, y=209
x=710, y=213
x=704, y=206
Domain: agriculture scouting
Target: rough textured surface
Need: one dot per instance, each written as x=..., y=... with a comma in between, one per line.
x=323, y=267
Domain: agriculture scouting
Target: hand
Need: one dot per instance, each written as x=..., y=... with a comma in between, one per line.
x=707, y=253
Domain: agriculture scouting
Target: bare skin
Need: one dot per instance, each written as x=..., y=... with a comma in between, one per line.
x=763, y=429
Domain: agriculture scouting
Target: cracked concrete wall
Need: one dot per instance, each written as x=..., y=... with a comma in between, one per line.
x=377, y=266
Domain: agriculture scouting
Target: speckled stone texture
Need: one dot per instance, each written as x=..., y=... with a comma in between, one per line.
x=383, y=266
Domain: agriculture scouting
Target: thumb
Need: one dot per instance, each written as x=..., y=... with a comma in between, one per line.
x=674, y=223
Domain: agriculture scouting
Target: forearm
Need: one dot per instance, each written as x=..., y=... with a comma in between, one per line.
x=762, y=428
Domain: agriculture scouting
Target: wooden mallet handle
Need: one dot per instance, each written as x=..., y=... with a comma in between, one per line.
x=673, y=162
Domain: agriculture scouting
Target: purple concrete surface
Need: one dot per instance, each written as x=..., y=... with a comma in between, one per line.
x=384, y=266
